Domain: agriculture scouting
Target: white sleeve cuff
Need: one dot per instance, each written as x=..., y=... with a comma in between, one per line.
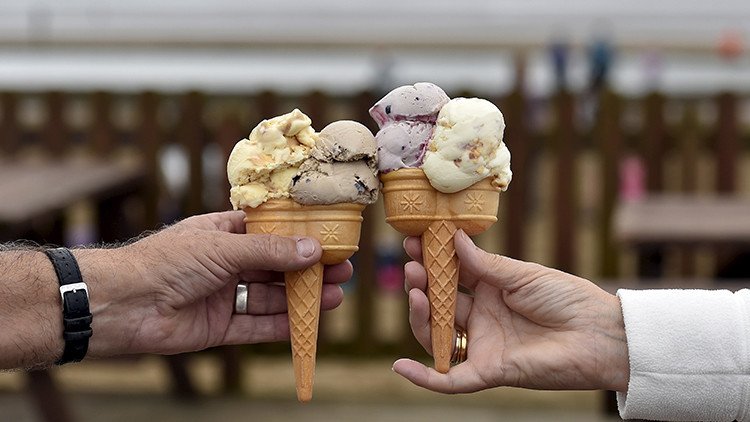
x=689, y=357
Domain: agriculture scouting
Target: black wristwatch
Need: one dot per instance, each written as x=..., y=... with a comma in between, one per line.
x=75, y=305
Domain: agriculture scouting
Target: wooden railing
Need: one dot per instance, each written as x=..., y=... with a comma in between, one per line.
x=566, y=164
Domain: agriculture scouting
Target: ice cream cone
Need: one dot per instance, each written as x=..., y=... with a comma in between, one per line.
x=337, y=229
x=415, y=208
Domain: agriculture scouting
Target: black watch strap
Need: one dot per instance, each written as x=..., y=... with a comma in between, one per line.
x=75, y=305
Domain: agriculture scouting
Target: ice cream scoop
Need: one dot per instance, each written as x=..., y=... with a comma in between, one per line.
x=262, y=166
x=419, y=102
x=341, y=167
x=406, y=117
x=467, y=146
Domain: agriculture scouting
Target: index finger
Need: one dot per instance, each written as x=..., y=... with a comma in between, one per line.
x=227, y=221
x=500, y=271
x=413, y=248
x=339, y=273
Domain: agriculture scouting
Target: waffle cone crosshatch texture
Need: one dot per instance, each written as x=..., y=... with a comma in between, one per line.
x=415, y=208
x=337, y=228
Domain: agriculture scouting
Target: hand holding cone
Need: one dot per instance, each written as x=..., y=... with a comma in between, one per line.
x=415, y=208
x=443, y=164
x=291, y=180
x=337, y=229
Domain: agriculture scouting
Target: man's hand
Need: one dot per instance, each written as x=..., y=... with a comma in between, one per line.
x=528, y=326
x=173, y=291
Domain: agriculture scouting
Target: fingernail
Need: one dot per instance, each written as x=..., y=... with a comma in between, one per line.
x=305, y=247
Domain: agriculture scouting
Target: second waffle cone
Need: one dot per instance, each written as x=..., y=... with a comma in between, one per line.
x=337, y=228
x=441, y=263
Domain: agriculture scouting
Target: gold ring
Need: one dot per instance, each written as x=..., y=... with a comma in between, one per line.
x=240, y=299
x=460, y=352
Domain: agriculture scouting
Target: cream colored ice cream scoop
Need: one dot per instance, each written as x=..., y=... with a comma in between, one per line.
x=467, y=146
x=262, y=166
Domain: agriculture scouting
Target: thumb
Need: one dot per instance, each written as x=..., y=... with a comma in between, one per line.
x=479, y=266
x=269, y=252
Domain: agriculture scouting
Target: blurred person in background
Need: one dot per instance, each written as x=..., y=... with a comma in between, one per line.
x=670, y=354
x=169, y=292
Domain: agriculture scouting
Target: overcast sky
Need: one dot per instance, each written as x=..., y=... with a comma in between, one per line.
x=344, y=45
x=383, y=22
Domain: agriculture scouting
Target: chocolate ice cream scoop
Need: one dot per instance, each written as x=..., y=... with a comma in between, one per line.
x=342, y=167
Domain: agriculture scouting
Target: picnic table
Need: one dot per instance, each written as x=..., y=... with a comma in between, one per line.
x=656, y=222
x=40, y=188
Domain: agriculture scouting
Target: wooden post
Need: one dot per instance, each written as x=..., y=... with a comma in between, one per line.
x=366, y=257
x=149, y=139
x=316, y=107
x=192, y=137
x=611, y=141
x=651, y=259
x=727, y=155
x=55, y=131
x=9, y=134
x=518, y=141
x=232, y=369
x=690, y=146
x=727, y=143
x=48, y=398
x=230, y=131
x=565, y=180
x=267, y=105
x=654, y=145
x=102, y=140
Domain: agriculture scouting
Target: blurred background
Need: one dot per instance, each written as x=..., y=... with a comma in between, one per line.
x=117, y=117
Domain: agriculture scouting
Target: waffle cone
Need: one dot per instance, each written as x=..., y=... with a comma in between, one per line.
x=415, y=208
x=303, y=291
x=337, y=229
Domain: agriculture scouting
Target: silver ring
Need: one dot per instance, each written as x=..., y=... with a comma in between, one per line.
x=240, y=299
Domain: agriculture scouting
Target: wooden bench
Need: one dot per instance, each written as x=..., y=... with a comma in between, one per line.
x=659, y=221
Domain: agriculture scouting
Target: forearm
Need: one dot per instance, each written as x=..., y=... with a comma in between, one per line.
x=31, y=311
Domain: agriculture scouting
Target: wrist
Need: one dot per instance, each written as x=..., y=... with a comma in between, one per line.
x=113, y=288
x=615, y=363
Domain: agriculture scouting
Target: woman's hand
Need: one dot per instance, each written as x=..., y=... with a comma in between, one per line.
x=528, y=326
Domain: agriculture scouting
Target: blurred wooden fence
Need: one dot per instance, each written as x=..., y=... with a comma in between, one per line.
x=567, y=155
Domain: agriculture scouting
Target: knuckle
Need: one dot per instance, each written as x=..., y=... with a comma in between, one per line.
x=272, y=248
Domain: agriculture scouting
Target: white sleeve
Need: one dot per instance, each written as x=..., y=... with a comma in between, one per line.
x=689, y=354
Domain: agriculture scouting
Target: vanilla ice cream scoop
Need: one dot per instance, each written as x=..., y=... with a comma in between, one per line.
x=262, y=166
x=467, y=146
